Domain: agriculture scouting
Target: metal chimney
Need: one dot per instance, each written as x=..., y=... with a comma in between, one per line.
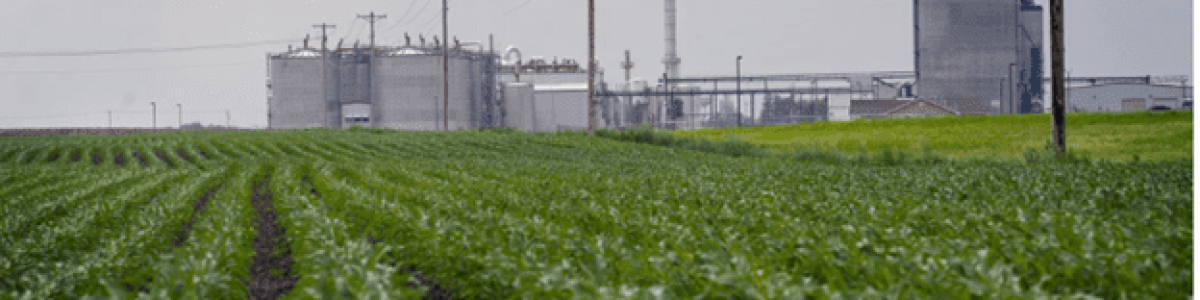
x=671, y=61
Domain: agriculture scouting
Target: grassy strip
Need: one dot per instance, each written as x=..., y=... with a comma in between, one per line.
x=1111, y=136
x=736, y=146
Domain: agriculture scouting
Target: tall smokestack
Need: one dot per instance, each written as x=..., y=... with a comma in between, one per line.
x=671, y=61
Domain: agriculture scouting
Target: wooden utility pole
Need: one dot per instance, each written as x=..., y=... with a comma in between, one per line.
x=445, y=68
x=372, y=18
x=324, y=37
x=591, y=67
x=1058, y=84
x=324, y=72
x=627, y=65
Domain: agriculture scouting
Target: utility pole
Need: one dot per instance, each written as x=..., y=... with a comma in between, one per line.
x=591, y=67
x=324, y=72
x=739, y=90
x=153, y=116
x=445, y=67
x=627, y=65
x=1058, y=84
x=372, y=18
x=324, y=36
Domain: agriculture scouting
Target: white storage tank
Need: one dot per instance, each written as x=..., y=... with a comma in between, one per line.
x=297, y=93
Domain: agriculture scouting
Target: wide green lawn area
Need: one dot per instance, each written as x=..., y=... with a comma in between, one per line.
x=1119, y=136
x=379, y=214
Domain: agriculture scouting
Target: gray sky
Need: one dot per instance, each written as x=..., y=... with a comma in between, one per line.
x=1104, y=37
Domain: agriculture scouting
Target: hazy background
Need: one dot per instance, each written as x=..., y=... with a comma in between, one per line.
x=1104, y=38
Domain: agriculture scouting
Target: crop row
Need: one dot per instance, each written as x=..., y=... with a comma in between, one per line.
x=487, y=215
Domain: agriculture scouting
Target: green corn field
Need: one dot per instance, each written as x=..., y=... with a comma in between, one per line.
x=383, y=214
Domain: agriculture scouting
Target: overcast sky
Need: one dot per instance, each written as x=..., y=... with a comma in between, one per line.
x=1104, y=37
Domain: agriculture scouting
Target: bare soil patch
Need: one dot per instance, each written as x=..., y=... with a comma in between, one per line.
x=75, y=157
x=197, y=209
x=272, y=267
x=97, y=159
x=163, y=157
x=119, y=159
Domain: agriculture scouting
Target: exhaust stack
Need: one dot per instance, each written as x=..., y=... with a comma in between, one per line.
x=671, y=60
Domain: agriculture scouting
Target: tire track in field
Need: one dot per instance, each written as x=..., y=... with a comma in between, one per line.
x=272, y=268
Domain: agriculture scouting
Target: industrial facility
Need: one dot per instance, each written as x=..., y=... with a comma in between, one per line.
x=972, y=57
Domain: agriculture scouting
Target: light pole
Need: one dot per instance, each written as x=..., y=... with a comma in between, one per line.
x=739, y=90
x=153, y=116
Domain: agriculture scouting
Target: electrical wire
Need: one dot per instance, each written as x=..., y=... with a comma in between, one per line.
x=429, y=24
x=411, y=4
x=142, y=50
x=422, y=10
x=133, y=70
x=518, y=7
x=116, y=111
x=351, y=29
x=58, y=116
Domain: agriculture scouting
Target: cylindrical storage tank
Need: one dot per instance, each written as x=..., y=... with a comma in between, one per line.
x=409, y=87
x=298, y=93
x=519, y=110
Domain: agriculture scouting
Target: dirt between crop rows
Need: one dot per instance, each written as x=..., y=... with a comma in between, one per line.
x=183, y=155
x=272, y=265
x=75, y=158
x=119, y=159
x=97, y=159
x=197, y=209
x=163, y=157
x=140, y=157
x=436, y=292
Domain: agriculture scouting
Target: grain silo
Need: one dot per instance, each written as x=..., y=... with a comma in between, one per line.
x=394, y=87
x=985, y=51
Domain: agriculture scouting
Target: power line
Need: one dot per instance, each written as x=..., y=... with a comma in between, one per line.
x=414, y=18
x=58, y=116
x=411, y=4
x=133, y=70
x=351, y=30
x=518, y=7
x=141, y=50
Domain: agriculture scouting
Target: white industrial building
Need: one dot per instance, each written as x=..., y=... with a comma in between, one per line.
x=1126, y=97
